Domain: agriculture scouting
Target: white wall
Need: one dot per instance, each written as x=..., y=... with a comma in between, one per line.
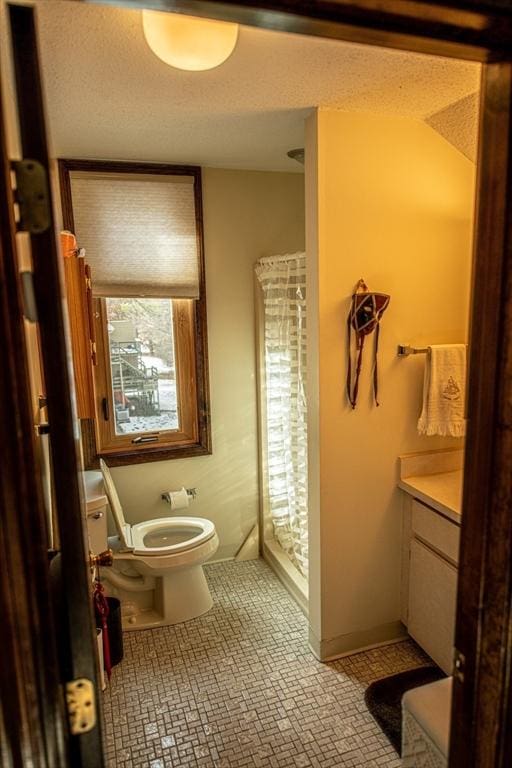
x=391, y=201
x=247, y=214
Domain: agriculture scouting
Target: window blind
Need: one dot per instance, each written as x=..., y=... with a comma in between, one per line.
x=139, y=233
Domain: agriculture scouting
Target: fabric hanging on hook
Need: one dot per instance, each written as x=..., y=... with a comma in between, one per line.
x=366, y=311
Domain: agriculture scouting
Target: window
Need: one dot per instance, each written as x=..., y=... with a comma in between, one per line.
x=142, y=359
x=141, y=228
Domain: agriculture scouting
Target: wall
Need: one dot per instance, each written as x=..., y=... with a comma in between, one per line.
x=392, y=203
x=247, y=214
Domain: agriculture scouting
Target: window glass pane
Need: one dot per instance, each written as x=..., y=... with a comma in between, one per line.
x=142, y=359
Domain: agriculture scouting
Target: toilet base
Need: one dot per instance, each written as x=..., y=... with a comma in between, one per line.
x=179, y=597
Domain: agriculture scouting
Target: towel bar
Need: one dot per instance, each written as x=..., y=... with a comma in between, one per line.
x=405, y=351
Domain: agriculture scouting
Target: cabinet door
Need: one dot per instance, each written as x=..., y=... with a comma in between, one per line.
x=432, y=600
x=79, y=303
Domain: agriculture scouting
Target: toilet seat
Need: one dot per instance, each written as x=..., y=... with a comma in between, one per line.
x=182, y=533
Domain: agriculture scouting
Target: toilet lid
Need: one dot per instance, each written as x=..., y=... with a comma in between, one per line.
x=170, y=535
x=123, y=529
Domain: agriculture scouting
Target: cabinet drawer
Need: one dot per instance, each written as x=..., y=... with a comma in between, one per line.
x=436, y=531
x=432, y=602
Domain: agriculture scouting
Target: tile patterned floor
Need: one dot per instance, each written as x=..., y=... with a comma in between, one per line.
x=239, y=688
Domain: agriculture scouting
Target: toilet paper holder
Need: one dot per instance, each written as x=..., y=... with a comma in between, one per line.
x=191, y=493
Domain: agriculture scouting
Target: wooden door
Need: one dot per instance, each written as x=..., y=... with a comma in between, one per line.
x=50, y=634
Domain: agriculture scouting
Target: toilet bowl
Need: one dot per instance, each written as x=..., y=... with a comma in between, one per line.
x=158, y=565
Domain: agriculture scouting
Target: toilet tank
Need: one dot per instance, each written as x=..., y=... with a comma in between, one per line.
x=96, y=510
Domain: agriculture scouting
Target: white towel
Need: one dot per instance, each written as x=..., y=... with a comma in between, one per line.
x=444, y=391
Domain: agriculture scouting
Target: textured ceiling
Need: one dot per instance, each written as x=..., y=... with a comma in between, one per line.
x=458, y=123
x=110, y=97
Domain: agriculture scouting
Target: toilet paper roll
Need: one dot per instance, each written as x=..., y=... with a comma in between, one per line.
x=178, y=499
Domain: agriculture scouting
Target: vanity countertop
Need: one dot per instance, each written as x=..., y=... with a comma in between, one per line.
x=441, y=491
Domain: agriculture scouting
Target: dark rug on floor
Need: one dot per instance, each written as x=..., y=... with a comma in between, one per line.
x=384, y=697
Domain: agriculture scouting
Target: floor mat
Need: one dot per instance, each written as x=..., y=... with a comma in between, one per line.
x=384, y=697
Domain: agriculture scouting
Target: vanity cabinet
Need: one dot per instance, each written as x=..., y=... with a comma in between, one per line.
x=432, y=600
x=431, y=556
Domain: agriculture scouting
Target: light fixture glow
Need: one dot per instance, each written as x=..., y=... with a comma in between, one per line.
x=187, y=42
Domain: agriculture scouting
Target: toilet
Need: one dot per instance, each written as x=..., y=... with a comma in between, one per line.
x=158, y=564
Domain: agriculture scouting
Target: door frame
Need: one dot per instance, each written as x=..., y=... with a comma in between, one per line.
x=31, y=726
x=480, y=30
x=51, y=621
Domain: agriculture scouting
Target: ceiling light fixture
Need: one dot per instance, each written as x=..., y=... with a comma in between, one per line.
x=188, y=42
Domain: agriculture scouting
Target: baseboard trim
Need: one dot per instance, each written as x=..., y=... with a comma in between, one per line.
x=355, y=642
x=287, y=573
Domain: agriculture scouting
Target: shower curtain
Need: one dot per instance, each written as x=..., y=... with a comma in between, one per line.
x=283, y=282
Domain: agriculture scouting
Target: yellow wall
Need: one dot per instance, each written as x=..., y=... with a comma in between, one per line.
x=247, y=214
x=393, y=204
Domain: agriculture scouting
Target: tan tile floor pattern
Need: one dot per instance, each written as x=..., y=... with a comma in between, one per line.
x=239, y=688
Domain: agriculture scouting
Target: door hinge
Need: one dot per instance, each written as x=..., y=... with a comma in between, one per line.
x=81, y=706
x=31, y=196
x=459, y=665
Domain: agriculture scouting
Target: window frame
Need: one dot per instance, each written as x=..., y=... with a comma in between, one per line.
x=193, y=438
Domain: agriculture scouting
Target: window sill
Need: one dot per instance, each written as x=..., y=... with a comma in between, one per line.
x=142, y=455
